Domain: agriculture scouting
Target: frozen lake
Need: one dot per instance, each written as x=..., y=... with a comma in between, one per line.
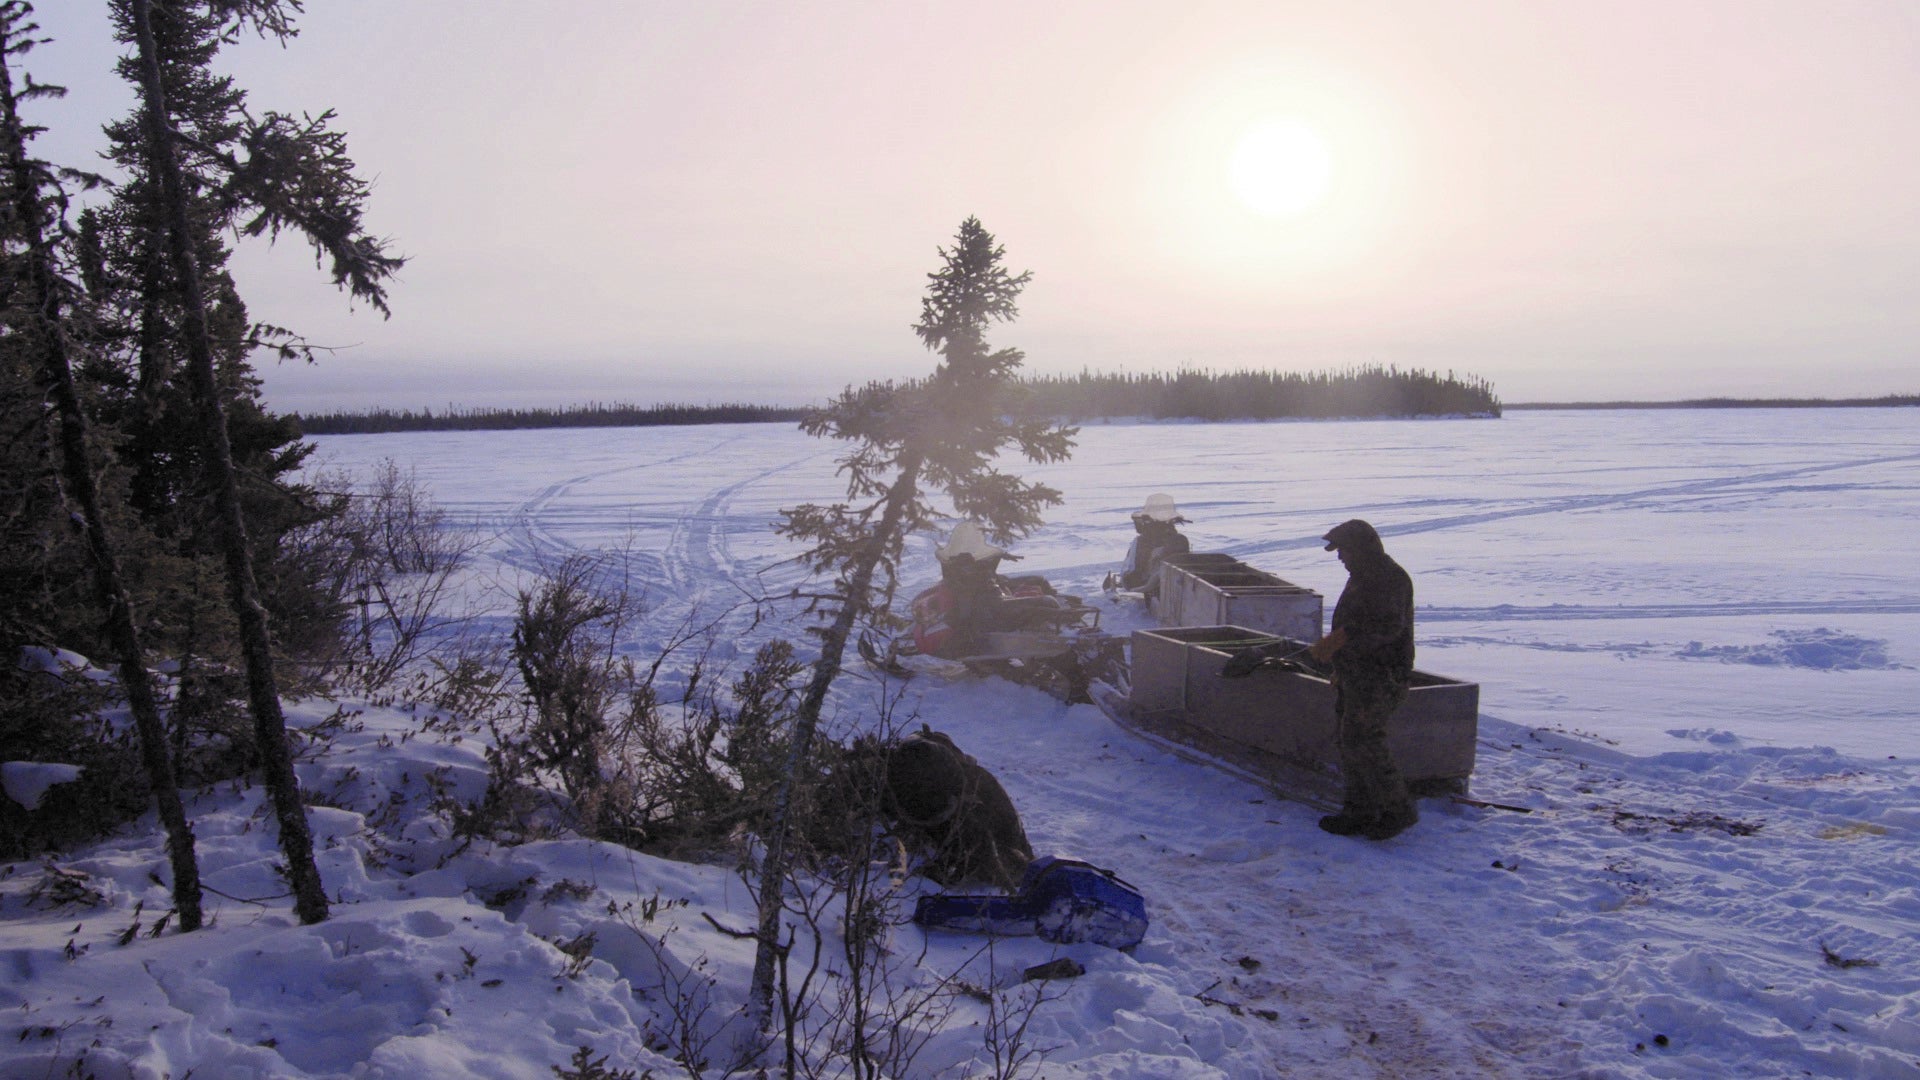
x=1716, y=594
x=1655, y=579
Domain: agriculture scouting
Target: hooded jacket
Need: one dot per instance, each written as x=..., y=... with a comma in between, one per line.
x=1376, y=611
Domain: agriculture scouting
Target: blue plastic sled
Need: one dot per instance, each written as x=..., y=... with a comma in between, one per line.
x=1062, y=900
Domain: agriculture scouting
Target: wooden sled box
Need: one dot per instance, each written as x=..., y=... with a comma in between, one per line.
x=1218, y=590
x=1288, y=713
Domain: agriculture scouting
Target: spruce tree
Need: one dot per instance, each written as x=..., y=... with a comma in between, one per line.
x=39, y=294
x=944, y=433
x=262, y=176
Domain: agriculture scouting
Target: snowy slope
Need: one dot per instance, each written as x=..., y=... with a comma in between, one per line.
x=1696, y=642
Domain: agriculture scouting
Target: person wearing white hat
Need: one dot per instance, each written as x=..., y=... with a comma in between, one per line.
x=1156, y=526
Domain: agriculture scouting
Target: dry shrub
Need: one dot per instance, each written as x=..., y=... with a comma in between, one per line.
x=382, y=559
x=684, y=772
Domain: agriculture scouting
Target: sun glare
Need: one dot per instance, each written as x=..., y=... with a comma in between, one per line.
x=1264, y=179
x=1280, y=168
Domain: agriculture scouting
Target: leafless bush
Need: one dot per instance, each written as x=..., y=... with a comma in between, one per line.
x=563, y=643
x=466, y=683
x=390, y=556
x=693, y=1024
x=850, y=1003
x=679, y=772
x=512, y=809
x=872, y=1013
x=1005, y=1036
x=60, y=887
x=587, y=1067
x=708, y=762
x=580, y=727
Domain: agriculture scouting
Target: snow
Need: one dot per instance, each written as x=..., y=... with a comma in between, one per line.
x=1696, y=642
x=27, y=782
x=63, y=663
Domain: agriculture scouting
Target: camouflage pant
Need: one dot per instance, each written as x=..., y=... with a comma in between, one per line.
x=1374, y=786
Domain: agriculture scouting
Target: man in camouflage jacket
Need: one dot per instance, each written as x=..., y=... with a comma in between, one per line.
x=1370, y=647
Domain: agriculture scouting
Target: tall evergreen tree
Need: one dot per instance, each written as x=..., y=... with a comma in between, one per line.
x=130, y=273
x=263, y=176
x=941, y=434
x=36, y=205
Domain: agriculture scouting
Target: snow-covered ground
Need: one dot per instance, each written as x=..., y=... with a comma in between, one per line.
x=1696, y=639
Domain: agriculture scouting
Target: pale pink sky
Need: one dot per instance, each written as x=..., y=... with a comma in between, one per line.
x=644, y=200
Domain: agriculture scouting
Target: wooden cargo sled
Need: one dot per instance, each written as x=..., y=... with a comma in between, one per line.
x=1276, y=726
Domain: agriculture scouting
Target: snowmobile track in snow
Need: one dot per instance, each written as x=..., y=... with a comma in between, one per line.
x=1577, y=503
x=538, y=543
x=1512, y=613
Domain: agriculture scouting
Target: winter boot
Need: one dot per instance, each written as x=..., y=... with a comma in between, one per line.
x=1347, y=823
x=1390, y=824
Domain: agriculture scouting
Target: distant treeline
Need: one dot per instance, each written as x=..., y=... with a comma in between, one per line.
x=1184, y=395
x=453, y=418
x=1891, y=400
x=1370, y=391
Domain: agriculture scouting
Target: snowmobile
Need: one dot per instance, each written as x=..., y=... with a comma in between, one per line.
x=1157, y=536
x=1017, y=627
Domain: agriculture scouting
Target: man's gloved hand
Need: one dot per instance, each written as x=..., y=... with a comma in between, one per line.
x=1324, y=649
x=1242, y=664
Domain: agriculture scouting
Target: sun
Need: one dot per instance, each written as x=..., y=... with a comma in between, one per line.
x=1280, y=168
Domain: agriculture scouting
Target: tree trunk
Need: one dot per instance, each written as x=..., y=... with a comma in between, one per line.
x=833, y=646
x=109, y=587
x=270, y=726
